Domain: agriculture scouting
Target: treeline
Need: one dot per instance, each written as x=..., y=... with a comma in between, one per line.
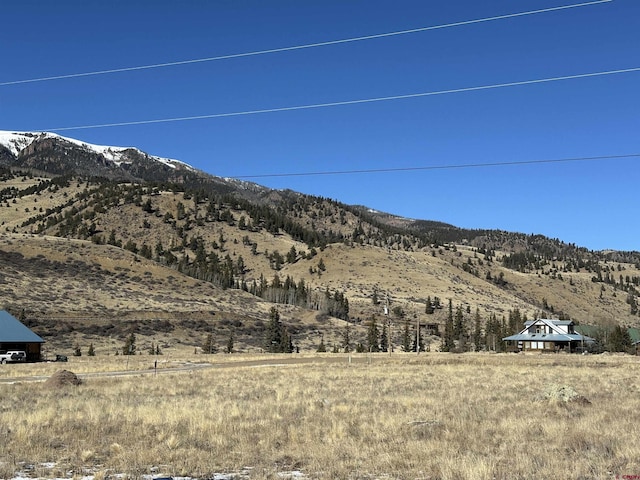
x=464, y=332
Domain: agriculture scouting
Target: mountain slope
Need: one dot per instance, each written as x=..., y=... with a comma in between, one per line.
x=317, y=258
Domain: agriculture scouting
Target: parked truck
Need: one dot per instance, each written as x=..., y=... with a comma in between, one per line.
x=12, y=356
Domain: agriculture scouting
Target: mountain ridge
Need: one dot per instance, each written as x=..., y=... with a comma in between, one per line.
x=315, y=258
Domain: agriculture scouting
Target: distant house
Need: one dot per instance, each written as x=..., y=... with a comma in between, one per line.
x=14, y=335
x=550, y=336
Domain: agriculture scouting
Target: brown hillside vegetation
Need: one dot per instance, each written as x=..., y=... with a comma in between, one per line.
x=428, y=416
x=76, y=293
x=79, y=257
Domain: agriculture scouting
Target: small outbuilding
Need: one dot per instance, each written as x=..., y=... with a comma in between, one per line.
x=549, y=335
x=14, y=335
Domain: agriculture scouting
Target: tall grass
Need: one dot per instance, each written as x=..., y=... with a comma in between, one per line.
x=404, y=417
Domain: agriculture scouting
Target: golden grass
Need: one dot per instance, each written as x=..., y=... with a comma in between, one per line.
x=442, y=416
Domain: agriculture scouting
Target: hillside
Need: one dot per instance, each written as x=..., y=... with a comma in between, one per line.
x=96, y=237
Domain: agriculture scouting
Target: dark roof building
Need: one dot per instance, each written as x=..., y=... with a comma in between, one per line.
x=14, y=335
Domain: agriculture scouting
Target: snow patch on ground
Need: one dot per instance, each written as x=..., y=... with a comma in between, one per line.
x=27, y=473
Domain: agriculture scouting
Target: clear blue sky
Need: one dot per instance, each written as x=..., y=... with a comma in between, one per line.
x=593, y=203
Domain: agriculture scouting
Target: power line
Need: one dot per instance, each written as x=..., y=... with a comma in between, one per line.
x=347, y=102
x=300, y=47
x=442, y=167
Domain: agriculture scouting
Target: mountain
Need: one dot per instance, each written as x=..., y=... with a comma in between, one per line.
x=98, y=241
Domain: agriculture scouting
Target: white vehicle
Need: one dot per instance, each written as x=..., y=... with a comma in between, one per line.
x=12, y=356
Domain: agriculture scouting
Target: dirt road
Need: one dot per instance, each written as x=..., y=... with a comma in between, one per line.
x=190, y=367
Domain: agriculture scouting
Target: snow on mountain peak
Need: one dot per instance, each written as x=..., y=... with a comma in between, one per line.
x=15, y=142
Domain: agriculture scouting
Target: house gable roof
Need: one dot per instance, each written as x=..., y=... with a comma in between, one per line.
x=547, y=321
x=14, y=331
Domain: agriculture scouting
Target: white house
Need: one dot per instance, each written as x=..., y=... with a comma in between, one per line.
x=549, y=335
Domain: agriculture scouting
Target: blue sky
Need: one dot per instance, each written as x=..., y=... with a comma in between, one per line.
x=590, y=203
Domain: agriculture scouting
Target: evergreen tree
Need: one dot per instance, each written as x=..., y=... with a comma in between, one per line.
x=477, y=332
x=384, y=339
x=458, y=325
x=406, y=338
x=209, y=346
x=417, y=342
x=429, y=307
x=448, y=342
x=321, y=265
x=619, y=339
x=374, y=297
x=230, y=341
x=273, y=339
x=321, y=346
x=91, y=352
x=373, y=336
x=129, y=347
x=277, y=339
x=346, y=339
x=493, y=334
x=292, y=256
x=515, y=322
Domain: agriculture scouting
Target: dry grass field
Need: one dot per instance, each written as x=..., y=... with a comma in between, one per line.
x=400, y=416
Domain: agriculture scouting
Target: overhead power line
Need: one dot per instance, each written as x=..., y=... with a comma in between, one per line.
x=348, y=102
x=441, y=167
x=300, y=47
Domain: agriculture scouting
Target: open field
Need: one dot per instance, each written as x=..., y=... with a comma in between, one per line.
x=473, y=416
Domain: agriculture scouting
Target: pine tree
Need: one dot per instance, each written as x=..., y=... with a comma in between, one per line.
x=321, y=346
x=373, y=337
x=515, y=322
x=91, y=352
x=448, y=342
x=420, y=346
x=458, y=326
x=619, y=339
x=429, y=307
x=384, y=339
x=277, y=338
x=406, y=338
x=346, y=339
x=477, y=332
x=273, y=338
x=209, y=346
x=129, y=347
x=230, y=341
x=292, y=255
x=374, y=297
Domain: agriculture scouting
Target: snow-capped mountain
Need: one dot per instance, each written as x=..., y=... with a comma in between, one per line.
x=52, y=154
x=17, y=142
